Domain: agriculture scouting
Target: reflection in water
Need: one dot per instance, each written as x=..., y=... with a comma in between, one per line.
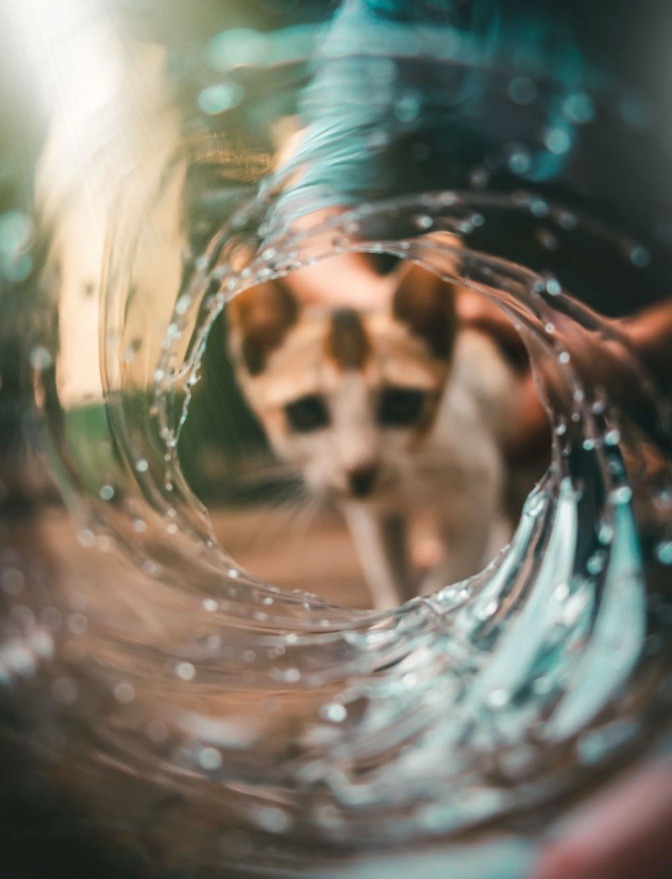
x=354, y=354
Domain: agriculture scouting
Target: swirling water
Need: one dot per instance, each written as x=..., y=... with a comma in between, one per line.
x=212, y=719
x=249, y=720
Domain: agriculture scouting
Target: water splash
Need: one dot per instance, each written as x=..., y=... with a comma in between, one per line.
x=483, y=701
x=187, y=699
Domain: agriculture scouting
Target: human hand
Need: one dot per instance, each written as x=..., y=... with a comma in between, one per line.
x=624, y=833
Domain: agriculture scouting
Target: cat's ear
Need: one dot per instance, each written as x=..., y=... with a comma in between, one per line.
x=426, y=304
x=259, y=319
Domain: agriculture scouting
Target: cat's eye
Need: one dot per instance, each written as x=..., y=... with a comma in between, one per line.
x=400, y=407
x=307, y=414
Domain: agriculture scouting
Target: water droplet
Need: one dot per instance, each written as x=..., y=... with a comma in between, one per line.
x=183, y=304
x=534, y=505
x=334, y=712
x=542, y=685
x=605, y=533
x=86, y=537
x=557, y=141
x=290, y=675
x=106, y=492
x=185, y=671
x=448, y=198
x=552, y=286
x=238, y=47
x=612, y=437
x=210, y=605
x=484, y=613
x=42, y=644
x=519, y=160
x=378, y=138
x=578, y=108
x=124, y=692
x=217, y=99
x=423, y=221
x=564, y=358
x=640, y=257
x=595, y=564
x=479, y=178
x=621, y=495
x=210, y=759
x=594, y=745
x=407, y=107
x=141, y=465
x=561, y=592
x=547, y=239
x=522, y=90
x=273, y=819
x=664, y=552
x=328, y=816
x=78, y=623
x=498, y=697
x=40, y=359
x=567, y=221
x=663, y=498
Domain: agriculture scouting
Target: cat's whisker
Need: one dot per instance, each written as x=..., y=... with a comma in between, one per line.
x=268, y=473
x=308, y=514
x=279, y=512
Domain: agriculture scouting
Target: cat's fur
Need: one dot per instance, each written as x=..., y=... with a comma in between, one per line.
x=384, y=404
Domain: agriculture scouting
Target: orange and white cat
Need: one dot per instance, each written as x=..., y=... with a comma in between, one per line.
x=367, y=383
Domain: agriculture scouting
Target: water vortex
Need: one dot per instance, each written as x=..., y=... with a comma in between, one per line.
x=211, y=718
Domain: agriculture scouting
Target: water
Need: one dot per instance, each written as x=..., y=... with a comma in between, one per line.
x=174, y=670
x=207, y=715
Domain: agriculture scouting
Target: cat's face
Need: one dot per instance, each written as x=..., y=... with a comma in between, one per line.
x=345, y=393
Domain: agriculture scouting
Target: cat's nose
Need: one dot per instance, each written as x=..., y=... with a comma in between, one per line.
x=362, y=479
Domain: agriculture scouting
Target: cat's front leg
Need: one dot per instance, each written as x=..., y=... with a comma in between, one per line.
x=381, y=542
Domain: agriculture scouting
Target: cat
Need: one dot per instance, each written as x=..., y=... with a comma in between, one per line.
x=368, y=383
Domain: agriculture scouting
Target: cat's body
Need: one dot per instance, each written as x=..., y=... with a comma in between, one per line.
x=386, y=405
